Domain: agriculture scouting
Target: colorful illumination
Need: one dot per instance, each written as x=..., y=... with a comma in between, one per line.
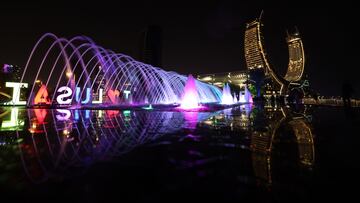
x=14, y=123
x=190, y=99
x=78, y=97
x=42, y=97
x=40, y=115
x=148, y=107
x=248, y=97
x=98, y=69
x=64, y=116
x=113, y=95
x=227, y=99
x=191, y=119
x=242, y=98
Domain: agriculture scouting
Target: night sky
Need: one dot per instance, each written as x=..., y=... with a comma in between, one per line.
x=197, y=38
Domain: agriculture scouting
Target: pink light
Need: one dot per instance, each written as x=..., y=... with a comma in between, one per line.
x=40, y=115
x=113, y=95
x=191, y=119
x=190, y=99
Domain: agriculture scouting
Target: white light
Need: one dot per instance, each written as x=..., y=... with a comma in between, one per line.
x=68, y=93
x=16, y=92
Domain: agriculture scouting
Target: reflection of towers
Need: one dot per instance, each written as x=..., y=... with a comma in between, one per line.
x=151, y=46
x=262, y=141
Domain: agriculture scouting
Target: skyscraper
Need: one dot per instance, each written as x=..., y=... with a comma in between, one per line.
x=151, y=46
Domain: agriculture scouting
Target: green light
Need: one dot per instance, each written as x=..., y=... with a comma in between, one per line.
x=126, y=113
x=148, y=107
x=14, y=123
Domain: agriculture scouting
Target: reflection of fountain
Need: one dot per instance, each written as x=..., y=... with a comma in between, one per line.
x=226, y=95
x=94, y=138
x=190, y=98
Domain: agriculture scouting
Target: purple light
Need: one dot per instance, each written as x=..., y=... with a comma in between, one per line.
x=248, y=97
x=190, y=99
x=79, y=62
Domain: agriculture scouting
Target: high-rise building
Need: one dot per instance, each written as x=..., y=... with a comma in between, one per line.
x=237, y=78
x=151, y=46
x=256, y=57
x=296, y=57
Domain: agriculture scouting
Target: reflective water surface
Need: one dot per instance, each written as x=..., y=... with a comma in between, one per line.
x=252, y=153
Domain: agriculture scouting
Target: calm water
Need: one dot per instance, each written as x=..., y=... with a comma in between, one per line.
x=246, y=153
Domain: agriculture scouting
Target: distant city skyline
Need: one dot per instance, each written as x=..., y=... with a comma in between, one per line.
x=203, y=38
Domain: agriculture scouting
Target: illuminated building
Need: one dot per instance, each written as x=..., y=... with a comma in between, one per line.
x=259, y=70
x=296, y=57
x=256, y=57
x=237, y=78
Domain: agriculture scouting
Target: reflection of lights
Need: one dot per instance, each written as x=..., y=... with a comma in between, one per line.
x=126, y=113
x=66, y=132
x=42, y=96
x=33, y=125
x=63, y=117
x=191, y=119
x=148, y=107
x=208, y=122
x=14, y=123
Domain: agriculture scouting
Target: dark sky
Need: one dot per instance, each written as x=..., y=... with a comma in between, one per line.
x=197, y=38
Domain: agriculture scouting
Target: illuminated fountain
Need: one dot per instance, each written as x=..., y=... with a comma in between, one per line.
x=248, y=97
x=245, y=97
x=190, y=98
x=226, y=98
x=80, y=73
x=235, y=98
x=242, y=97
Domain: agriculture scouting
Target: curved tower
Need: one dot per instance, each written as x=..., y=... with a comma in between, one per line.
x=255, y=54
x=296, y=58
